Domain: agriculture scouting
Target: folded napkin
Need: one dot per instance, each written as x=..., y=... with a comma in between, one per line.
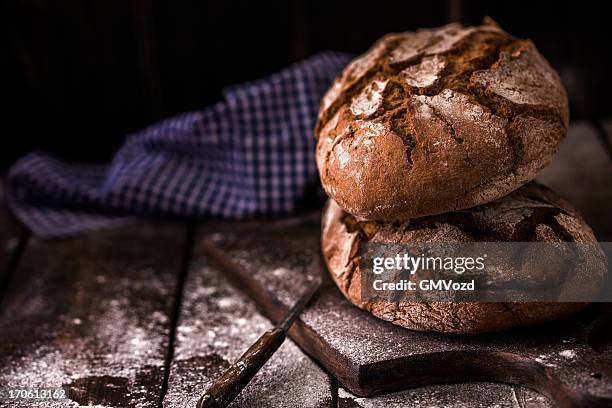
x=250, y=154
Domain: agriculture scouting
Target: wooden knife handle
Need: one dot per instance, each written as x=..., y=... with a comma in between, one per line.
x=239, y=374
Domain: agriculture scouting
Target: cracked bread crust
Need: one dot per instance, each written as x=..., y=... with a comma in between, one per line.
x=531, y=213
x=438, y=120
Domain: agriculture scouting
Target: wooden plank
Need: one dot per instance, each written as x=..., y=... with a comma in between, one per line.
x=146, y=48
x=216, y=325
x=93, y=314
x=368, y=356
x=466, y=395
x=582, y=173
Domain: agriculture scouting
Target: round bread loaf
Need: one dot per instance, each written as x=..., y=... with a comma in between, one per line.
x=532, y=213
x=438, y=120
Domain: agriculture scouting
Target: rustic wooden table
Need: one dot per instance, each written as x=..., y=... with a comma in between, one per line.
x=137, y=316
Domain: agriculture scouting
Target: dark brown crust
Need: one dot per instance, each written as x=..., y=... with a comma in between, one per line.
x=437, y=120
x=531, y=213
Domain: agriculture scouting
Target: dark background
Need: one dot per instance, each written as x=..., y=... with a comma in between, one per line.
x=79, y=75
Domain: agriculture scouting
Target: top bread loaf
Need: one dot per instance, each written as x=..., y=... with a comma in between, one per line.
x=438, y=120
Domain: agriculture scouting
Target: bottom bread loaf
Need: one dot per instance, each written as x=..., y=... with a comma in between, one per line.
x=531, y=213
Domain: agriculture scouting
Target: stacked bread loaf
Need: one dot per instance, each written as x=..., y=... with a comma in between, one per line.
x=435, y=136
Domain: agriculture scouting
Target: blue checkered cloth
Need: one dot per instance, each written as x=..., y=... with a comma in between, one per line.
x=250, y=154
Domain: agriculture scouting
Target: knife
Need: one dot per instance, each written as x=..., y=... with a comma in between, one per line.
x=239, y=374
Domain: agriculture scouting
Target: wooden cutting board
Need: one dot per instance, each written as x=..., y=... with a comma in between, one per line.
x=569, y=361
